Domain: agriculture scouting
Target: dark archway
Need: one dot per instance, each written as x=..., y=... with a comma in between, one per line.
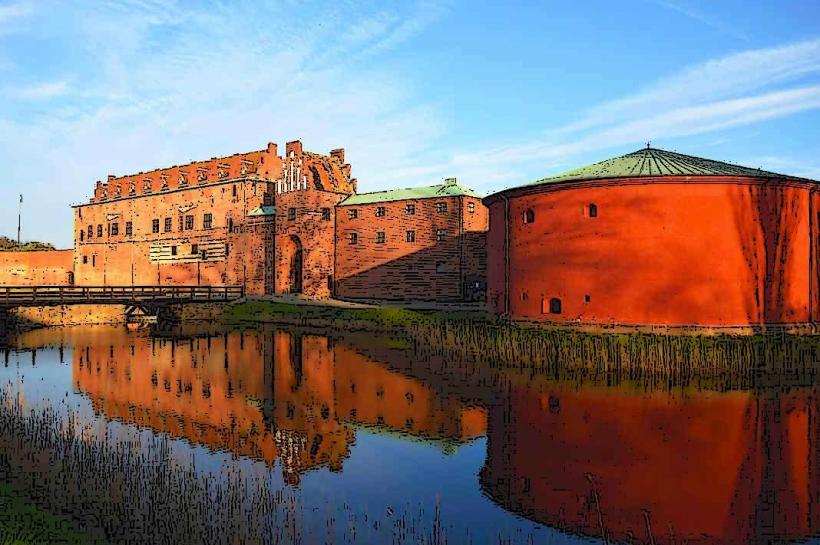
x=296, y=266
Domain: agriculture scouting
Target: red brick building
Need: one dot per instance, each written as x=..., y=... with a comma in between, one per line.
x=215, y=223
x=424, y=243
x=655, y=237
x=269, y=223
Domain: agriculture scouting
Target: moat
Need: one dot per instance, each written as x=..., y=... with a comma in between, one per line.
x=359, y=438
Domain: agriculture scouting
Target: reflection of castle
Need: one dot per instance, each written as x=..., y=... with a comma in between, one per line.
x=269, y=395
x=726, y=468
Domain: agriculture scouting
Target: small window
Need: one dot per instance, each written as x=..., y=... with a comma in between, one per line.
x=411, y=236
x=194, y=249
x=99, y=230
x=173, y=250
x=181, y=222
x=593, y=210
x=325, y=214
x=353, y=238
x=85, y=259
x=129, y=228
x=189, y=222
x=291, y=213
x=529, y=216
x=168, y=223
x=555, y=306
x=441, y=207
x=441, y=267
x=94, y=260
x=380, y=238
x=471, y=207
x=441, y=234
x=90, y=231
x=353, y=213
x=207, y=221
x=82, y=235
x=115, y=229
x=155, y=226
x=410, y=209
x=587, y=298
x=380, y=211
x=233, y=190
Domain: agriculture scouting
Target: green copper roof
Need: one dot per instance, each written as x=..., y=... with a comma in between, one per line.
x=657, y=162
x=262, y=211
x=450, y=188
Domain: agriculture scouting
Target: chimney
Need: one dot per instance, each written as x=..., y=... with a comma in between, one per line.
x=272, y=148
x=294, y=147
x=111, y=177
x=450, y=181
x=339, y=154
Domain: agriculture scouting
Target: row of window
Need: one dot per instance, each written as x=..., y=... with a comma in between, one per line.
x=591, y=210
x=186, y=223
x=409, y=209
x=325, y=214
x=409, y=236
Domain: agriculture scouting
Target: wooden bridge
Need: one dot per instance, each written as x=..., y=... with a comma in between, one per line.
x=142, y=303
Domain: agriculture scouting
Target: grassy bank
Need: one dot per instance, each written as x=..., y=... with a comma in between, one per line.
x=22, y=523
x=732, y=360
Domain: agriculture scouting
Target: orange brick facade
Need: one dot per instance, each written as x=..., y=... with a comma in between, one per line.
x=437, y=252
x=710, y=251
x=40, y=268
x=275, y=224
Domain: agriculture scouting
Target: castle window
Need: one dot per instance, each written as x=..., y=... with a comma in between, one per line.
x=593, y=210
x=94, y=260
x=555, y=306
x=85, y=259
x=291, y=213
x=82, y=235
x=189, y=222
x=325, y=214
x=587, y=298
x=99, y=230
x=353, y=213
x=115, y=229
x=155, y=226
x=410, y=209
x=380, y=211
x=90, y=231
x=529, y=216
x=441, y=267
x=173, y=250
x=167, y=225
x=441, y=234
x=233, y=190
x=441, y=207
x=207, y=221
x=471, y=207
x=194, y=249
x=380, y=238
x=353, y=238
x=410, y=236
x=129, y=228
x=230, y=225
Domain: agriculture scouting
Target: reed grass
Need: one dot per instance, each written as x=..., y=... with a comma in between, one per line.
x=124, y=492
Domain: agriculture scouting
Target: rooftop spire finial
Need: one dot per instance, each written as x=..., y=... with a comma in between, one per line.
x=648, y=145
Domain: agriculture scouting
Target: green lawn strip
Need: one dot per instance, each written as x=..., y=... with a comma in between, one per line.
x=22, y=523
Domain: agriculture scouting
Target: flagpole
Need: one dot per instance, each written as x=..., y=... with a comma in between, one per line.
x=19, y=215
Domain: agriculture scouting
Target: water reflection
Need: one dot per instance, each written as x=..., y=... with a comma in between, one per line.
x=614, y=460
x=284, y=395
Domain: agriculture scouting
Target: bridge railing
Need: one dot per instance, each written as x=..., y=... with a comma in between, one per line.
x=102, y=294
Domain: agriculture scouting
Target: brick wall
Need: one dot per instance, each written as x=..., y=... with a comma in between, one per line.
x=423, y=269
x=36, y=268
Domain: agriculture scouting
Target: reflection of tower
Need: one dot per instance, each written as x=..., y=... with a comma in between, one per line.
x=291, y=445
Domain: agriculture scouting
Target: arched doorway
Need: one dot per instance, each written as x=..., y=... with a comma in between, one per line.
x=296, y=266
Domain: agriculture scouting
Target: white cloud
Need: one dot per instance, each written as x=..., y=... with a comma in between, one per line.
x=165, y=86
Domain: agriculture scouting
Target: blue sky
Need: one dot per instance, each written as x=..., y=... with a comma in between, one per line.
x=496, y=94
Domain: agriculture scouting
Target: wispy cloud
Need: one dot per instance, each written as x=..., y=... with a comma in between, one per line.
x=701, y=17
x=710, y=97
x=14, y=10
x=165, y=85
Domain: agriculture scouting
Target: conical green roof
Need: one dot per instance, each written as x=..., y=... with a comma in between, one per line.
x=658, y=162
